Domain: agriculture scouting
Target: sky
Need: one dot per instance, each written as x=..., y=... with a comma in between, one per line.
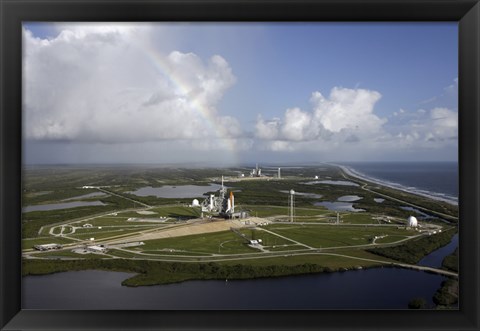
x=235, y=93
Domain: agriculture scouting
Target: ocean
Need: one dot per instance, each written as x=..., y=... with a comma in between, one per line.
x=436, y=179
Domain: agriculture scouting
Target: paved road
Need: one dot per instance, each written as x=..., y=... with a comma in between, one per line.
x=289, y=239
x=194, y=259
x=121, y=196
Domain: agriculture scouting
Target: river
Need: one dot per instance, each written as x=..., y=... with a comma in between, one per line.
x=379, y=288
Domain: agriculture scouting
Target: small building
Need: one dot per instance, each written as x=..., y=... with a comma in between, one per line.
x=195, y=203
x=47, y=247
x=97, y=249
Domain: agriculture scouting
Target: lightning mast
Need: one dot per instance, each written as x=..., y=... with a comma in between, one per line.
x=292, y=205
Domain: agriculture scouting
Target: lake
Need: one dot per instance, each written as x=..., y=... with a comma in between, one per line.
x=63, y=205
x=180, y=191
x=378, y=288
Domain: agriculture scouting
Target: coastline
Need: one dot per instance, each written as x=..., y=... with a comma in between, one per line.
x=358, y=175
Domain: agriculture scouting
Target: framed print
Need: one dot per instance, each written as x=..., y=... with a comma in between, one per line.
x=239, y=165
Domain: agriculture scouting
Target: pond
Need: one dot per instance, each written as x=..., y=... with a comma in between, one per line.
x=338, y=206
x=349, y=198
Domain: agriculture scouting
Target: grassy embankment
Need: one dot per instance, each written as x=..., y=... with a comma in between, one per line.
x=158, y=272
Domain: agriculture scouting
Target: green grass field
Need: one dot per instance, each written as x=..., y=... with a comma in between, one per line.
x=268, y=239
x=29, y=243
x=268, y=211
x=322, y=236
x=225, y=242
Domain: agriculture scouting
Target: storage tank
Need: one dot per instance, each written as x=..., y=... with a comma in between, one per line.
x=412, y=221
x=195, y=202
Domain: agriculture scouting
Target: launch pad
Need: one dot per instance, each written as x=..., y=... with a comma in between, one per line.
x=222, y=205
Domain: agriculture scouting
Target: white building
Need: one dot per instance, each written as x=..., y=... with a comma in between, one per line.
x=96, y=249
x=412, y=222
x=47, y=247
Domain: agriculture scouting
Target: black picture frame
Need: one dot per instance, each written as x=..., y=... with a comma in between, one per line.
x=14, y=12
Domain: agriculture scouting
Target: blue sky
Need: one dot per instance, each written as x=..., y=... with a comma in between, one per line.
x=240, y=92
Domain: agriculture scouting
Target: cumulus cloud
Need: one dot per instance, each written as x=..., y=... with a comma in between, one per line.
x=298, y=125
x=348, y=109
x=443, y=125
x=267, y=130
x=345, y=124
x=345, y=115
x=432, y=129
x=105, y=83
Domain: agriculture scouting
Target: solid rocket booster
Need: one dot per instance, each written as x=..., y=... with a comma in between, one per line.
x=231, y=202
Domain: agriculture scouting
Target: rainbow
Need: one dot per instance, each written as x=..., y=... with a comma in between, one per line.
x=221, y=134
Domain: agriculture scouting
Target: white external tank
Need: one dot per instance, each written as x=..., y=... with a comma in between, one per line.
x=412, y=221
x=195, y=202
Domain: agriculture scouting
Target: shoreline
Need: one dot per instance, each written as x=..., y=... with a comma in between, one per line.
x=358, y=175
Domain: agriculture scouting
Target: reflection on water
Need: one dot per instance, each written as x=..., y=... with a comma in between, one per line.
x=379, y=288
x=435, y=258
x=349, y=198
